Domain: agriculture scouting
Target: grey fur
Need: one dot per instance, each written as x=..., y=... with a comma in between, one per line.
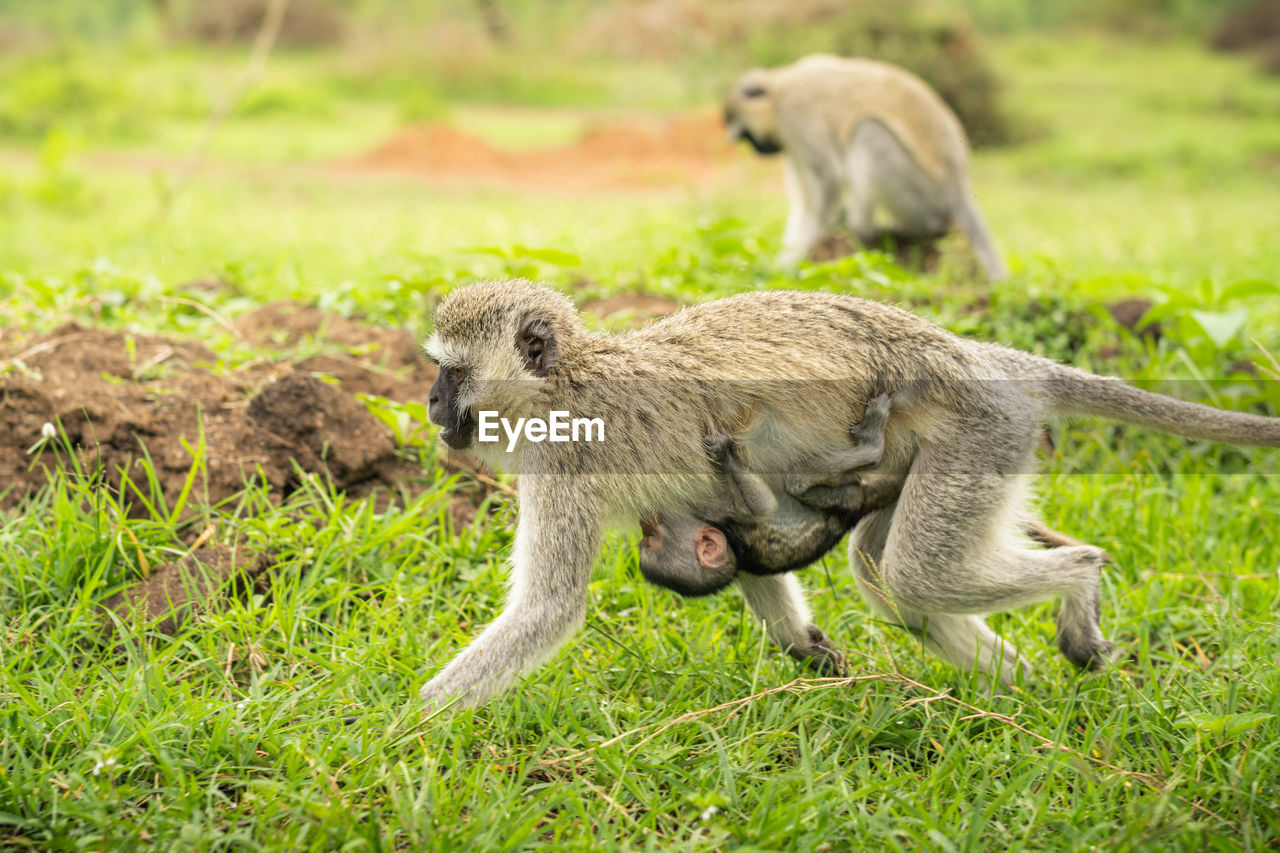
x=783, y=372
x=858, y=136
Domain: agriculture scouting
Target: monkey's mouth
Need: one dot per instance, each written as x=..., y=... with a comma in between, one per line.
x=651, y=528
x=460, y=435
x=762, y=145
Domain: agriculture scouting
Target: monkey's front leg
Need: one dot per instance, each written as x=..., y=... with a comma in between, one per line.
x=778, y=602
x=557, y=538
x=813, y=205
x=750, y=495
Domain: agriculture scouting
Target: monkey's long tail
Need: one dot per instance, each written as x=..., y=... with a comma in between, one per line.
x=975, y=228
x=1076, y=392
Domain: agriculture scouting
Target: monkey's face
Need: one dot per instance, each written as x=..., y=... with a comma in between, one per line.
x=494, y=344
x=750, y=113
x=456, y=422
x=686, y=555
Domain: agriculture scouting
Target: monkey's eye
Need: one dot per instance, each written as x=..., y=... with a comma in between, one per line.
x=458, y=373
x=753, y=90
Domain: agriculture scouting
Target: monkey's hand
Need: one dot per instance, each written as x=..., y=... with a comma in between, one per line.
x=870, y=430
x=720, y=448
x=556, y=543
x=847, y=498
x=841, y=467
x=821, y=655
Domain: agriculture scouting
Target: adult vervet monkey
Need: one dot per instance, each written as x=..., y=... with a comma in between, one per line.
x=860, y=135
x=755, y=529
x=784, y=373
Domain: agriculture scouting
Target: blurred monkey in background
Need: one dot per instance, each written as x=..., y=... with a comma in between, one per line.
x=861, y=135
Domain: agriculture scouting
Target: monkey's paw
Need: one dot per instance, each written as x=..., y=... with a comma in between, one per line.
x=871, y=426
x=718, y=446
x=821, y=655
x=438, y=699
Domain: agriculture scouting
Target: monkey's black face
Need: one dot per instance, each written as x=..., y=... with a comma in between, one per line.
x=456, y=428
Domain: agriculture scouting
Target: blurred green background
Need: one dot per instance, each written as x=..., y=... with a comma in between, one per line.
x=387, y=151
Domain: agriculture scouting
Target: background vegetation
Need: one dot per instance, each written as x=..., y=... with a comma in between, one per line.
x=1132, y=162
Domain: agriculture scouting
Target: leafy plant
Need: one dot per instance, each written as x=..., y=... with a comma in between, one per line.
x=524, y=262
x=1211, y=323
x=408, y=421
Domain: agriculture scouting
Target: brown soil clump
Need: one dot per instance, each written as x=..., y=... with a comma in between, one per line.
x=1249, y=26
x=636, y=308
x=1129, y=313
x=914, y=253
x=306, y=23
x=175, y=589
x=119, y=397
x=683, y=151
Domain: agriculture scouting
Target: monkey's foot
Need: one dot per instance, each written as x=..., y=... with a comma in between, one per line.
x=1079, y=630
x=1089, y=655
x=831, y=497
x=821, y=655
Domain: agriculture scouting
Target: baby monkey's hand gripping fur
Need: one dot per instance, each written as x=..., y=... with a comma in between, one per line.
x=780, y=372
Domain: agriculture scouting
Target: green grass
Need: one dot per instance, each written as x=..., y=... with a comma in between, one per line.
x=286, y=721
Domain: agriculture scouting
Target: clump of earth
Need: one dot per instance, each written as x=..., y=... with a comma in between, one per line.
x=116, y=398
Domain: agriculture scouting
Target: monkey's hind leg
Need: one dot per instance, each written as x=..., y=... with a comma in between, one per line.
x=948, y=551
x=1079, y=627
x=964, y=641
x=887, y=174
x=778, y=602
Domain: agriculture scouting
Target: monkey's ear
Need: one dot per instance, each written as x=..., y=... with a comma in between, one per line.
x=536, y=344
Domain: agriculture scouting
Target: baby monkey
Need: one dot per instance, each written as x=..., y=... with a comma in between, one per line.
x=760, y=531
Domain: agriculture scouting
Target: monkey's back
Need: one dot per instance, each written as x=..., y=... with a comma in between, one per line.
x=843, y=92
x=801, y=335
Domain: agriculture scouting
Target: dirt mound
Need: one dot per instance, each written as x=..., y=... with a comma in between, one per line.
x=1253, y=25
x=306, y=23
x=682, y=151
x=174, y=589
x=439, y=148
x=118, y=396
